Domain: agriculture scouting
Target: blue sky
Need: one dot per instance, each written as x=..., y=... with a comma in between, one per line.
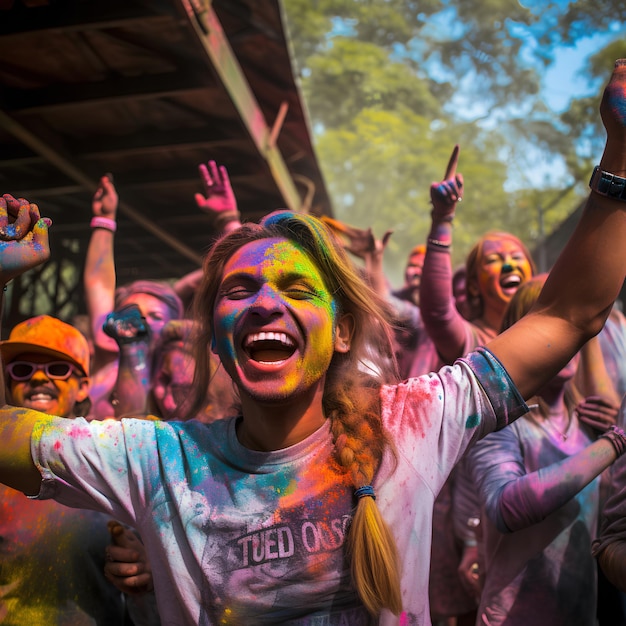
x=561, y=82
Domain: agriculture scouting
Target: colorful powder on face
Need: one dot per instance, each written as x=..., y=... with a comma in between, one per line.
x=276, y=281
x=319, y=320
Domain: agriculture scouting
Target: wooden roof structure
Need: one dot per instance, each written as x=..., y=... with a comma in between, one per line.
x=148, y=90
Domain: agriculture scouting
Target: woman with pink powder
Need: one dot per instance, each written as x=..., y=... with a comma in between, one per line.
x=540, y=496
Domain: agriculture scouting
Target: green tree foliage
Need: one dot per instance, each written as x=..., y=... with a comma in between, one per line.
x=392, y=85
x=367, y=78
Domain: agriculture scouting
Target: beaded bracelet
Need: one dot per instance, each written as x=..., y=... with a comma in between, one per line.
x=617, y=437
x=438, y=243
x=106, y=223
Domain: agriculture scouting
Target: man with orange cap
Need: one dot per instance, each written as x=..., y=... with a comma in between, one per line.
x=47, y=367
x=51, y=556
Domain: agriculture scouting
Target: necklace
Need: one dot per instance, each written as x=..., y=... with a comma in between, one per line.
x=561, y=434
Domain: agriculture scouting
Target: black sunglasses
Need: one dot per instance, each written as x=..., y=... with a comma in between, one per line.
x=55, y=370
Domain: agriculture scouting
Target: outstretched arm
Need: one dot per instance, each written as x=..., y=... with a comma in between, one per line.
x=514, y=499
x=17, y=469
x=586, y=279
x=445, y=325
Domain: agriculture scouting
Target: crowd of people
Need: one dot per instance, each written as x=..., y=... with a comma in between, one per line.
x=283, y=438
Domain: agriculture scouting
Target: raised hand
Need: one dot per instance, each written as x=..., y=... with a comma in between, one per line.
x=104, y=203
x=18, y=218
x=127, y=325
x=219, y=196
x=23, y=237
x=445, y=194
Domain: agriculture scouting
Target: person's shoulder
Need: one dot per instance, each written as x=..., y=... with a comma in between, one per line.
x=419, y=388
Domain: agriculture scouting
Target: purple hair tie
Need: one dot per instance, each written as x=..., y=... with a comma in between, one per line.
x=364, y=492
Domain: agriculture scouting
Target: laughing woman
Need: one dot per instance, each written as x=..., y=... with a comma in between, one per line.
x=315, y=503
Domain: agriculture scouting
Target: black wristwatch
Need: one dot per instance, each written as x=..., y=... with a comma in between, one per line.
x=607, y=184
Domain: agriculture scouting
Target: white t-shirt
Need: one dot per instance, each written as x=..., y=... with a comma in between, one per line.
x=243, y=537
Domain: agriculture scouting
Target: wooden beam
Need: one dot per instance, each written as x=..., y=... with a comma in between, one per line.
x=208, y=29
x=71, y=16
x=154, y=140
x=104, y=92
x=72, y=171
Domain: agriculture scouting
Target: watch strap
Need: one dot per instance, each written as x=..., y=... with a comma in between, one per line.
x=607, y=184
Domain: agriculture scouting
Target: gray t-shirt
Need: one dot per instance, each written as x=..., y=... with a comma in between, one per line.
x=243, y=537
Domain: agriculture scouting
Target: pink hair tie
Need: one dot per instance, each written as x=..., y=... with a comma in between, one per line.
x=103, y=222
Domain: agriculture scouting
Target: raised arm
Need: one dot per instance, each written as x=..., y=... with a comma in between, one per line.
x=589, y=273
x=99, y=275
x=23, y=245
x=131, y=333
x=219, y=203
x=445, y=325
x=362, y=243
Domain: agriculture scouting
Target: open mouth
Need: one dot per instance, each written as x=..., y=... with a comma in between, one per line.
x=269, y=347
x=510, y=282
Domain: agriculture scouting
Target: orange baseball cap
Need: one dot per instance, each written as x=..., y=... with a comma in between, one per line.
x=47, y=335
